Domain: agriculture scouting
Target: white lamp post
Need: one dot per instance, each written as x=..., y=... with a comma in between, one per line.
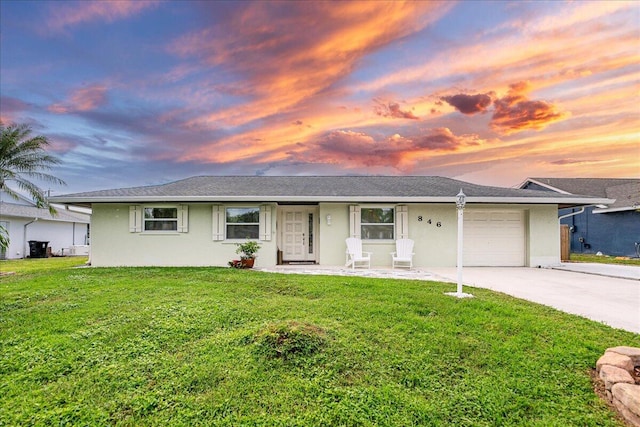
x=461, y=201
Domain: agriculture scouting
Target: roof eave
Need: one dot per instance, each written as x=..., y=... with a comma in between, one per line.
x=542, y=184
x=612, y=210
x=564, y=201
x=48, y=218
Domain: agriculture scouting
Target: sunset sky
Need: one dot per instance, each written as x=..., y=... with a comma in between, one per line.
x=146, y=92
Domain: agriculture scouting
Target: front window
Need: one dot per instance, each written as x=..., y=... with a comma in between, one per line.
x=377, y=223
x=243, y=223
x=160, y=219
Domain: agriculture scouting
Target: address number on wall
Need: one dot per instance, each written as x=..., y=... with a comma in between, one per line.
x=429, y=221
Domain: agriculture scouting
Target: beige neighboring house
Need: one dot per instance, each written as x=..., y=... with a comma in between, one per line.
x=66, y=233
x=305, y=219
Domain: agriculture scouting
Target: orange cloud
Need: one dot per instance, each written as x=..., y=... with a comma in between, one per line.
x=282, y=67
x=567, y=152
x=63, y=17
x=514, y=112
x=85, y=99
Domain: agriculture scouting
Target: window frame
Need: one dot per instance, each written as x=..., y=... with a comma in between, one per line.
x=256, y=209
x=392, y=224
x=145, y=219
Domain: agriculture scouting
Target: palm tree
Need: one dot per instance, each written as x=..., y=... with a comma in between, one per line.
x=4, y=239
x=23, y=157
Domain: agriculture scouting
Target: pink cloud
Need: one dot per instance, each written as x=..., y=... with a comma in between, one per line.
x=62, y=145
x=63, y=17
x=12, y=105
x=565, y=162
x=392, y=109
x=10, y=109
x=85, y=99
x=361, y=149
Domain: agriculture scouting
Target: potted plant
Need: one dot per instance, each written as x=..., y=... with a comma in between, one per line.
x=247, y=253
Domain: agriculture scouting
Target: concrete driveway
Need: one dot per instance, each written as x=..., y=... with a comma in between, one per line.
x=613, y=301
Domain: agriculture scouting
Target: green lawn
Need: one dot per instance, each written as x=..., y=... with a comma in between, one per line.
x=33, y=265
x=228, y=347
x=604, y=259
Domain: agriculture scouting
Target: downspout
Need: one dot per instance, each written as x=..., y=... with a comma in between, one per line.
x=571, y=214
x=24, y=236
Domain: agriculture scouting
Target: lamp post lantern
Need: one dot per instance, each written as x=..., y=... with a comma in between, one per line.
x=461, y=201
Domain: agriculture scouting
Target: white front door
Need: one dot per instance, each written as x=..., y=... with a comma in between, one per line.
x=299, y=233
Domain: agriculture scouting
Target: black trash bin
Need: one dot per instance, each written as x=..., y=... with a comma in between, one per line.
x=38, y=249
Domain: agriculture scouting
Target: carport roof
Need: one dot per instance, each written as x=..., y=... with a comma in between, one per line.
x=311, y=189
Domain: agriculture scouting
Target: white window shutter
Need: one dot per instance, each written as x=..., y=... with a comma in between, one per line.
x=183, y=218
x=354, y=221
x=265, y=222
x=402, y=222
x=135, y=219
x=217, y=224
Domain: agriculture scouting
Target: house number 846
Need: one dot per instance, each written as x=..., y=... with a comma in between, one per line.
x=438, y=224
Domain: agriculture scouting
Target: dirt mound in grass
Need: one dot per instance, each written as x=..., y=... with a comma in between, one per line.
x=290, y=339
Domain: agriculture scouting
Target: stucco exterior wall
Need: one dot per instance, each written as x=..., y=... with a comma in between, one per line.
x=434, y=230
x=433, y=227
x=332, y=237
x=434, y=245
x=543, y=236
x=114, y=245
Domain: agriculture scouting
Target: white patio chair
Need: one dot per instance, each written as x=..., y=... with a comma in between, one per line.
x=403, y=256
x=355, y=254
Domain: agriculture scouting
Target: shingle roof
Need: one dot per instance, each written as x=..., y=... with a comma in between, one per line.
x=24, y=211
x=588, y=186
x=626, y=195
x=625, y=191
x=320, y=188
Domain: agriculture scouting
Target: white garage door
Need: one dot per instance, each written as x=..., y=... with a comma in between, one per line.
x=494, y=238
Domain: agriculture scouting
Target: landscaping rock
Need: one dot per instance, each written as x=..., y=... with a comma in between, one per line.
x=613, y=375
x=632, y=352
x=626, y=398
x=616, y=369
x=611, y=358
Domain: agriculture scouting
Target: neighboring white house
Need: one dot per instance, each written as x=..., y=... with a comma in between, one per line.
x=67, y=233
x=198, y=221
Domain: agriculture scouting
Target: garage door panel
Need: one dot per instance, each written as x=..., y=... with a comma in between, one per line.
x=494, y=238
